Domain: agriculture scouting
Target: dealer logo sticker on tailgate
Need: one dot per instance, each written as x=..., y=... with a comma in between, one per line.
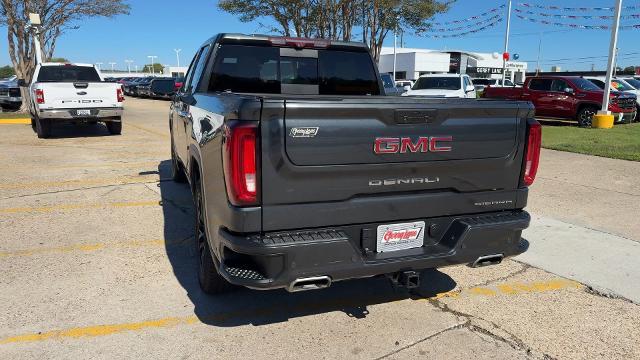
x=304, y=132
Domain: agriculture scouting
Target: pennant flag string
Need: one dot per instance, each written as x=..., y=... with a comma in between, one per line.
x=447, y=36
x=560, y=8
x=576, y=26
x=560, y=16
x=472, y=25
x=476, y=17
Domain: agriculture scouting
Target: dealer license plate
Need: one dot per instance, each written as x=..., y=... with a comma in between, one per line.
x=83, y=112
x=403, y=236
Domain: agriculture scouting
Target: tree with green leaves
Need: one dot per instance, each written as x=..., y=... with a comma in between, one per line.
x=59, y=60
x=6, y=71
x=57, y=17
x=336, y=19
x=157, y=68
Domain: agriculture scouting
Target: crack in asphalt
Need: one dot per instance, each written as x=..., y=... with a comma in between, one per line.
x=84, y=188
x=457, y=326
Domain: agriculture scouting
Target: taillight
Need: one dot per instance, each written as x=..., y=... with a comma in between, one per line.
x=119, y=95
x=39, y=96
x=241, y=163
x=532, y=151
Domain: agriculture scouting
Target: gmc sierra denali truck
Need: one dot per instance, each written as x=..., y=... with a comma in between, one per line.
x=73, y=93
x=304, y=174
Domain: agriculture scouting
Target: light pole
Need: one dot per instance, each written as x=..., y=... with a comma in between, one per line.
x=112, y=66
x=611, y=64
x=506, y=43
x=153, y=71
x=178, y=55
x=34, y=24
x=129, y=65
x=136, y=69
x=99, y=64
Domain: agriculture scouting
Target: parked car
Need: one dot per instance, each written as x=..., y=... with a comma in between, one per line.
x=618, y=85
x=135, y=85
x=404, y=83
x=443, y=85
x=10, y=96
x=567, y=97
x=482, y=83
x=390, y=88
x=401, y=184
x=162, y=88
x=73, y=92
x=129, y=84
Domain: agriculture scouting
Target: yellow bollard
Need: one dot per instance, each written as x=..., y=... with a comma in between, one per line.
x=602, y=121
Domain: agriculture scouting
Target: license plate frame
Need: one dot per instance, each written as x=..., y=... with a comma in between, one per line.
x=400, y=236
x=83, y=112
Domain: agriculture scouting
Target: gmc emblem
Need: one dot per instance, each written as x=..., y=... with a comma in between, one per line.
x=405, y=145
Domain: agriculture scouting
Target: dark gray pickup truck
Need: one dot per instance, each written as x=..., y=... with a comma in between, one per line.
x=304, y=174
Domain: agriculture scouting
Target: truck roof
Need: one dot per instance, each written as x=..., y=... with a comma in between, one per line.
x=285, y=41
x=65, y=64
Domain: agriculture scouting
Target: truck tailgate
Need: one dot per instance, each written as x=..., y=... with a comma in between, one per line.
x=333, y=161
x=78, y=95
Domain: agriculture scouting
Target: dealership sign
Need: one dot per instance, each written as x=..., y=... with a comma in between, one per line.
x=484, y=70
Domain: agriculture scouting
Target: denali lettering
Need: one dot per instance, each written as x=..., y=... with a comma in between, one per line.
x=390, y=182
x=406, y=144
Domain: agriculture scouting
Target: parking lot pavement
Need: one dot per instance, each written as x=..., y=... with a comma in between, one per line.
x=97, y=261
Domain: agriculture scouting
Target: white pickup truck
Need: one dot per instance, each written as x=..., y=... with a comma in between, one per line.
x=74, y=93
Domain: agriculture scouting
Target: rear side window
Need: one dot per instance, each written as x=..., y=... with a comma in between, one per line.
x=68, y=73
x=540, y=84
x=261, y=69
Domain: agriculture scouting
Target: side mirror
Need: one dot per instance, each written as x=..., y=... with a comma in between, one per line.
x=406, y=88
x=568, y=91
x=22, y=83
x=469, y=88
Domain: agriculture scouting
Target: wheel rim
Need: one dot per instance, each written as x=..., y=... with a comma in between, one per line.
x=587, y=117
x=201, y=237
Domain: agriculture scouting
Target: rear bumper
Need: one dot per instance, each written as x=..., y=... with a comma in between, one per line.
x=274, y=260
x=69, y=114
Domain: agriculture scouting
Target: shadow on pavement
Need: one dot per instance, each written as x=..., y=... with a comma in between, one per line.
x=70, y=131
x=244, y=306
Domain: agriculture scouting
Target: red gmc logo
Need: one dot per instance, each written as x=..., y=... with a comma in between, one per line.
x=404, y=145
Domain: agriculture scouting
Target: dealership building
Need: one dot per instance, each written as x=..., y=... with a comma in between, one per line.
x=411, y=63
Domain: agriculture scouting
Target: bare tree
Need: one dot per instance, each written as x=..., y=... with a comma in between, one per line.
x=57, y=16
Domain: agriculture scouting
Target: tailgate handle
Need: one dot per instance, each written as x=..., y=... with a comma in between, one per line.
x=81, y=85
x=416, y=116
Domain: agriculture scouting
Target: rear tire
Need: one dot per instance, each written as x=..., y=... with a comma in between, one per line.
x=114, y=127
x=43, y=128
x=585, y=116
x=211, y=282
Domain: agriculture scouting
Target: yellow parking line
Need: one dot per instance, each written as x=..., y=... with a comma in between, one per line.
x=143, y=128
x=88, y=247
x=15, y=121
x=169, y=322
x=512, y=288
x=77, y=206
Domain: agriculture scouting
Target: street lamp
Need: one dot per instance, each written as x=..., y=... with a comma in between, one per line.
x=99, y=65
x=112, y=66
x=178, y=55
x=153, y=71
x=34, y=24
x=129, y=65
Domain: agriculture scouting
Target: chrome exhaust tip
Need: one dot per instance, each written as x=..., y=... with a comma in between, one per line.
x=488, y=260
x=309, y=283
